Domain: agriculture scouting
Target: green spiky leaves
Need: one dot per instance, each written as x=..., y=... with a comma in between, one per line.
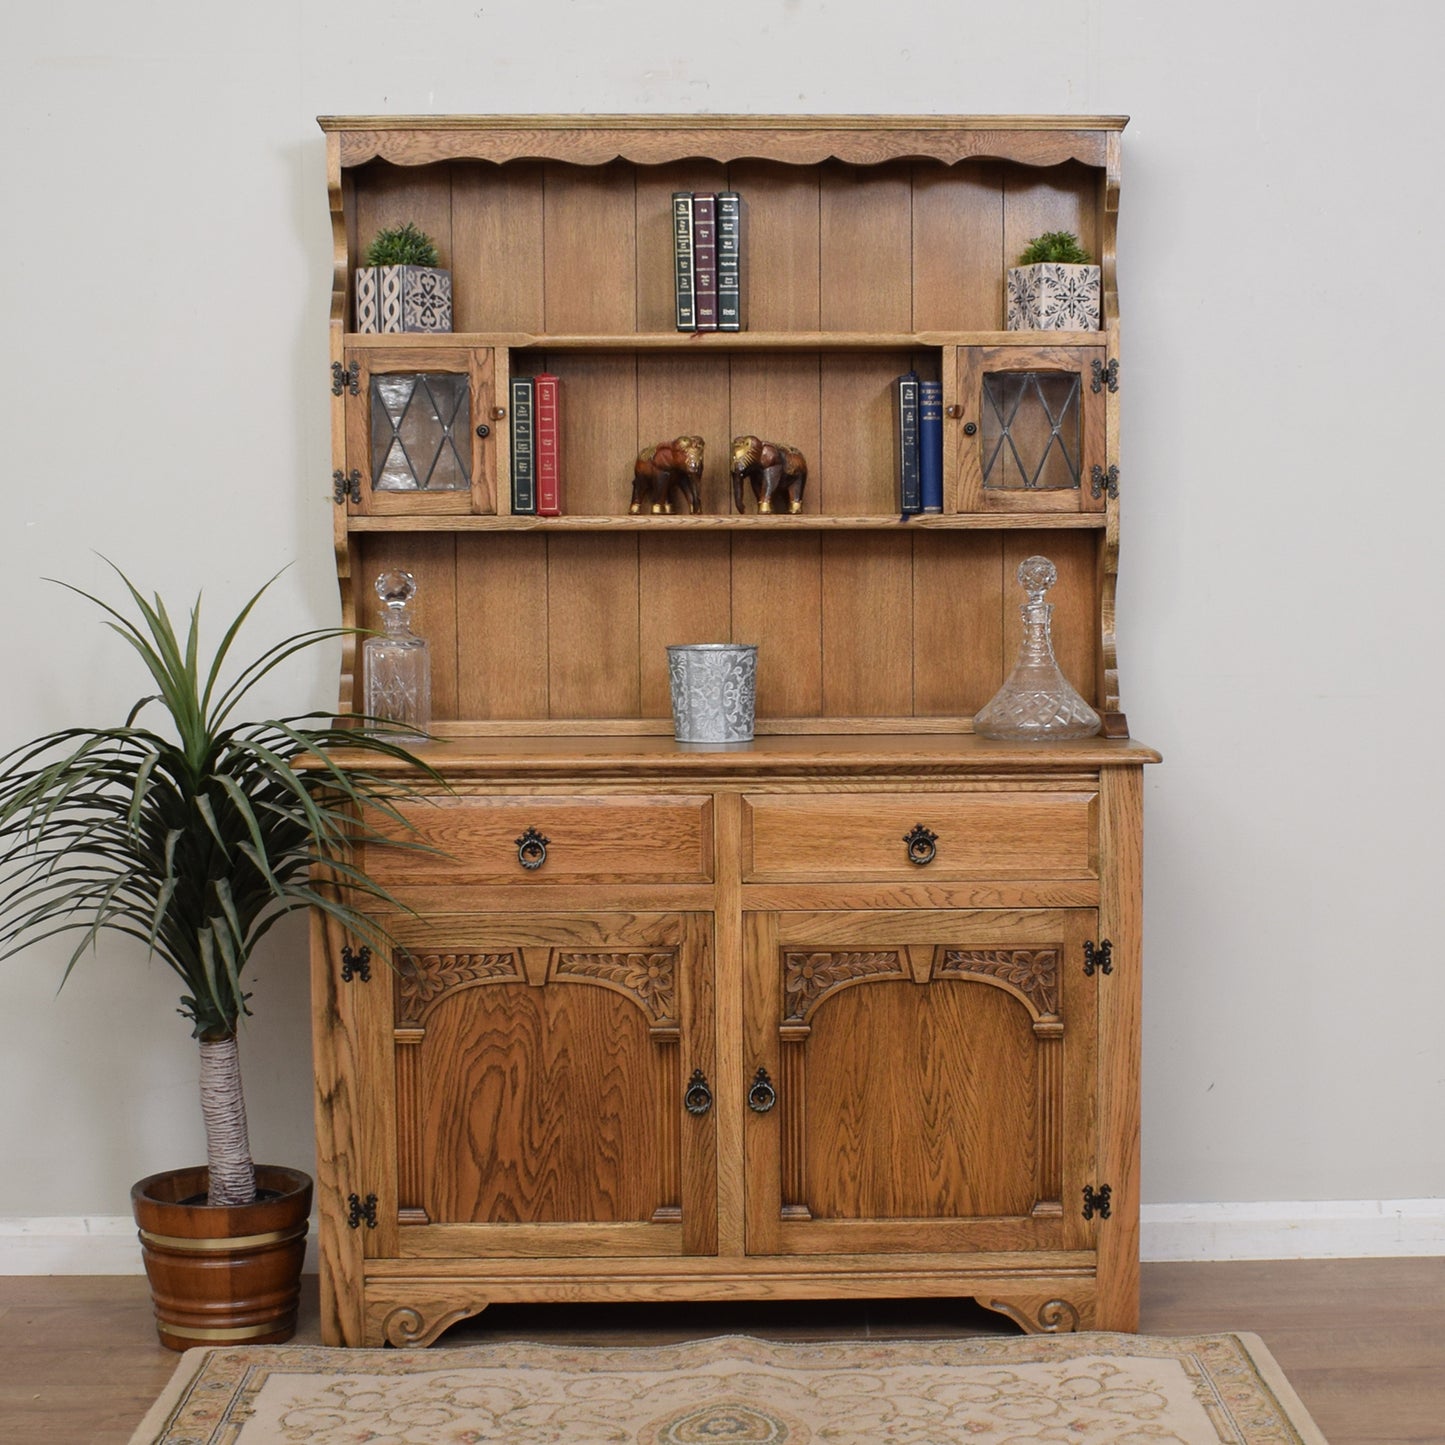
x=1060, y=247
x=402, y=246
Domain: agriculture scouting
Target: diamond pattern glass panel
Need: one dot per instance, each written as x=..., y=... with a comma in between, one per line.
x=1032, y=430
x=421, y=425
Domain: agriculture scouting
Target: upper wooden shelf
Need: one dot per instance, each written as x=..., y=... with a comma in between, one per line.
x=412, y=140
x=723, y=340
x=724, y=522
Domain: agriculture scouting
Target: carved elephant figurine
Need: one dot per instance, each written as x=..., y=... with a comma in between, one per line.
x=663, y=469
x=773, y=468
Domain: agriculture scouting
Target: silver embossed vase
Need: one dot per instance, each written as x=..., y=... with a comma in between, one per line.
x=714, y=687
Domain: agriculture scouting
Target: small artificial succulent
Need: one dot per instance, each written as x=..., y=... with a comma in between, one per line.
x=402, y=246
x=1059, y=247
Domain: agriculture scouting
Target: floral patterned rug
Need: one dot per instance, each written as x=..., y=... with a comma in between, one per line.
x=1086, y=1389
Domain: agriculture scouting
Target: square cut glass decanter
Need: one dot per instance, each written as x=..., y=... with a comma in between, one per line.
x=1036, y=700
x=398, y=663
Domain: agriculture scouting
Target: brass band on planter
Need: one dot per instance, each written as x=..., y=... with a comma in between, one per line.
x=220, y=1246
x=241, y=1332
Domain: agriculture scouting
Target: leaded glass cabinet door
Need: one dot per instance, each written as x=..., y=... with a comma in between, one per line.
x=421, y=431
x=1032, y=429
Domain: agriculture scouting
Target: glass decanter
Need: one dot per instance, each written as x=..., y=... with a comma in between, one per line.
x=1036, y=700
x=398, y=662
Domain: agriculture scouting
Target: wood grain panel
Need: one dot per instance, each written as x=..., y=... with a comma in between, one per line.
x=958, y=259
x=777, y=398
x=946, y=1130
x=1061, y=198
x=1074, y=599
x=497, y=252
x=656, y=297
x=957, y=623
x=856, y=472
x=502, y=626
x=612, y=839
x=780, y=245
x=539, y=1110
x=821, y=836
x=687, y=396
x=592, y=626
x=590, y=248
x=684, y=595
x=867, y=625
x=865, y=248
x=432, y=559
x=777, y=603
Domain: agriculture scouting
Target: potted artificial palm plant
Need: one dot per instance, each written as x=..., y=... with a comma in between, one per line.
x=402, y=286
x=195, y=839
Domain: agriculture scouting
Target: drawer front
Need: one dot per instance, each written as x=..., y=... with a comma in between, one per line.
x=884, y=836
x=564, y=840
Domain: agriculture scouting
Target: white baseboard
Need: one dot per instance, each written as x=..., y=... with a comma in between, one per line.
x=84, y=1244
x=1309, y=1229
x=1313, y=1229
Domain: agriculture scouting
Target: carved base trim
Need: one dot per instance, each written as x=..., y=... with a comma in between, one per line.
x=420, y=1320
x=1043, y=1314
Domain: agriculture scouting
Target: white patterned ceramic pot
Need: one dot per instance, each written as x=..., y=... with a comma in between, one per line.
x=403, y=298
x=714, y=686
x=1051, y=296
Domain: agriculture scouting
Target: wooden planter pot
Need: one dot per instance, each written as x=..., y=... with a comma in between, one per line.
x=223, y=1275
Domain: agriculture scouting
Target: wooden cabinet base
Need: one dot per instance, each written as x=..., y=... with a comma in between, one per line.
x=411, y=1310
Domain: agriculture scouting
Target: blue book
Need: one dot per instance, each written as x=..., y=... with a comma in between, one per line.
x=905, y=440
x=930, y=445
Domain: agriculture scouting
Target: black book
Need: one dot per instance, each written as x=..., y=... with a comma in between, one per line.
x=731, y=233
x=524, y=448
x=905, y=437
x=682, y=260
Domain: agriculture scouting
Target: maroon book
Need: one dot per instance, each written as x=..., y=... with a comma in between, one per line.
x=704, y=260
x=548, y=462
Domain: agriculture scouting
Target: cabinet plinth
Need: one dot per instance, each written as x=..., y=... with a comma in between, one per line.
x=817, y=1016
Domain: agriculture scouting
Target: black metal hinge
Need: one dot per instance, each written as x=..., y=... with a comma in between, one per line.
x=355, y=965
x=1103, y=375
x=344, y=488
x=1096, y=1201
x=361, y=1211
x=1103, y=481
x=1098, y=958
x=348, y=378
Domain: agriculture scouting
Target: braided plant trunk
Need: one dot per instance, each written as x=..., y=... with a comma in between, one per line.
x=232, y=1172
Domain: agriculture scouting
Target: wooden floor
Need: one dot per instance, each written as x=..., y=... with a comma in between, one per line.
x=1362, y=1341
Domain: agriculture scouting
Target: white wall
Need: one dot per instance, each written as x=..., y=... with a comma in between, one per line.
x=163, y=301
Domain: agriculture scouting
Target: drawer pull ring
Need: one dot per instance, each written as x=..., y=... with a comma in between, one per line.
x=532, y=849
x=762, y=1096
x=698, y=1099
x=921, y=845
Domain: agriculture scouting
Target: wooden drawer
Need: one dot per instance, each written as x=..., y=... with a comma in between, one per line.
x=588, y=840
x=840, y=836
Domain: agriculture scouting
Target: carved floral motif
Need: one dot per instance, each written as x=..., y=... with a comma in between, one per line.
x=650, y=976
x=807, y=977
x=1034, y=972
x=423, y=978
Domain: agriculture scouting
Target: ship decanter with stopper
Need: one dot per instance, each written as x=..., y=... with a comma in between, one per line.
x=1036, y=700
x=398, y=663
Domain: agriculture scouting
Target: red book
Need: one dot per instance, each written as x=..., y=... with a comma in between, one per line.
x=549, y=467
x=704, y=260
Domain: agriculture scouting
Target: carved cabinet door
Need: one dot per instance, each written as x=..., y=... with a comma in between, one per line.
x=543, y=1087
x=919, y=1081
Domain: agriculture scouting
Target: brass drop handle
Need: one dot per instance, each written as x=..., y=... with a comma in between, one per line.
x=762, y=1096
x=922, y=845
x=532, y=850
x=698, y=1099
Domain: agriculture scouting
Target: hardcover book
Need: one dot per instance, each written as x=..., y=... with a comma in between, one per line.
x=905, y=438
x=930, y=445
x=731, y=230
x=524, y=470
x=682, y=260
x=704, y=261
x=546, y=432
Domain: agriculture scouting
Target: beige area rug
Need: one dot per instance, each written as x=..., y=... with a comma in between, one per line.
x=1088, y=1389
